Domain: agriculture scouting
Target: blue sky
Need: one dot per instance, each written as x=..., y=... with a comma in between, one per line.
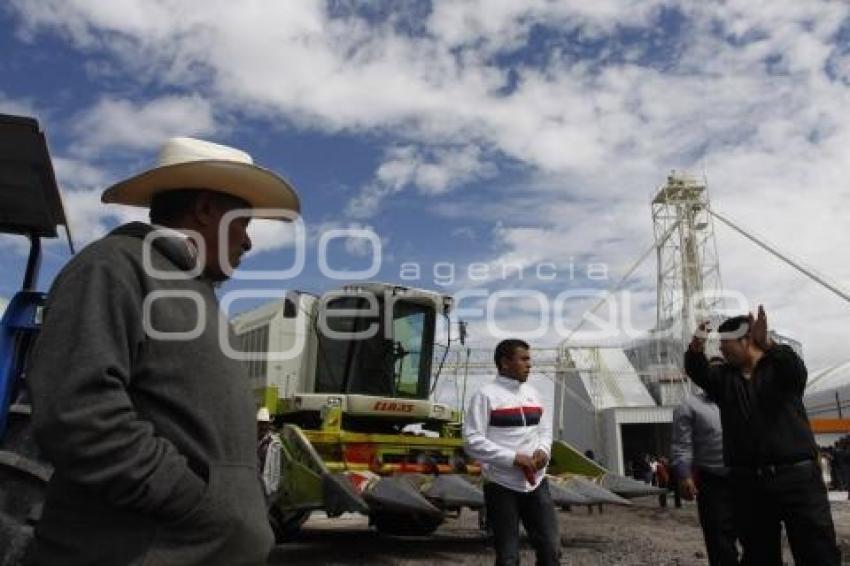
x=468, y=132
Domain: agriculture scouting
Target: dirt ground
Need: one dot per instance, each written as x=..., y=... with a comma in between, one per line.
x=642, y=534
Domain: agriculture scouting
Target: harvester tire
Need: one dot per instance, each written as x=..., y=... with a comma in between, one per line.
x=398, y=524
x=286, y=524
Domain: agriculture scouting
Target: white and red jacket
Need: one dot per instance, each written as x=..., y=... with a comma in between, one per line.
x=505, y=417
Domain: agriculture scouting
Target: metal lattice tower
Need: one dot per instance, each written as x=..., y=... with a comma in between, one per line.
x=688, y=264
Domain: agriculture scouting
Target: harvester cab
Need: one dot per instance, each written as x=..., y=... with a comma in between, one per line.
x=364, y=349
x=31, y=207
x=348, y=378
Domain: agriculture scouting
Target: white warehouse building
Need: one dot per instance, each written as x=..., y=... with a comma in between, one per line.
x=601, y=404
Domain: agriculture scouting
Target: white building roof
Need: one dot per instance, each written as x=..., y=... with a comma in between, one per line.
x=826, y=390
x=608, y=377
x=829, y=378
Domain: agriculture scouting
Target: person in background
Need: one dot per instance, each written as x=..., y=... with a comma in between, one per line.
x=697, y=462
x=268, y=454
x=825, y=456
x=842, y=464
x=662, y=479
x=653, y=470
x=647, y=468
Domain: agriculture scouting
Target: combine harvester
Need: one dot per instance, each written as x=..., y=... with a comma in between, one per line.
x=348, y=378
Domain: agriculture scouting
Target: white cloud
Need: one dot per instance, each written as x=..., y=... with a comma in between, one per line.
x=431, y=171
x=464, y=232
x=745, y=92
x=81, y=184
x=269, y=235
x=368, y=202
x=502, y=25
x=363, y=246
x=121, y=124
x=89, y=219
x=16, y=106
x=72, y=173
x=357, y=237
x=447, y=168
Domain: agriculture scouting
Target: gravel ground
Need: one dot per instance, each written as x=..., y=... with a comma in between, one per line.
x=642, y=534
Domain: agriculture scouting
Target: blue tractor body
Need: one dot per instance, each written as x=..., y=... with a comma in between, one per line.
x=31, y=207
x=18, y=329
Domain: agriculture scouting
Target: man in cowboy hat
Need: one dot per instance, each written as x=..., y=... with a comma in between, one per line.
x=148, y=423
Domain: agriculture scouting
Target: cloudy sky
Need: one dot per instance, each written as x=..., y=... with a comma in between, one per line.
x=469, y=133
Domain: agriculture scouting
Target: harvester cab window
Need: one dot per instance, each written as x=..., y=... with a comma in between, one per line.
x=351, y=365
x=393, y=362
x=410, y=343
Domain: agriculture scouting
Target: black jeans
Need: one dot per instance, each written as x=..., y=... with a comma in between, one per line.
x=506, y=507
x=794, y=495
x=714, y=504
x=674, y=484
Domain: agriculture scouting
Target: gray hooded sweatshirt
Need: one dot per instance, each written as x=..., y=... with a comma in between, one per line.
x=153, y=439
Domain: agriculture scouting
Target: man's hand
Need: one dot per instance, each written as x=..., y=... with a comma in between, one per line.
x=688, y=489
x=523, y=461
x=526, y=463
x=698, y=341
x=758, y=330
x=540, y=459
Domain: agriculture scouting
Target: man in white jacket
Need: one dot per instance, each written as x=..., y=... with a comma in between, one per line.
x=506, y=431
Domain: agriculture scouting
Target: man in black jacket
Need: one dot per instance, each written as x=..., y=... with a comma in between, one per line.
x=767, y=443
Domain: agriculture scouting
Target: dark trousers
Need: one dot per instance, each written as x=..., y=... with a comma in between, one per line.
x=714, y=505
x=505, y=509
x=677, y=493
x=793, y=495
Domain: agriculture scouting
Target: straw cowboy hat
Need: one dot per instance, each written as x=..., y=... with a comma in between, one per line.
x=188, y=163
